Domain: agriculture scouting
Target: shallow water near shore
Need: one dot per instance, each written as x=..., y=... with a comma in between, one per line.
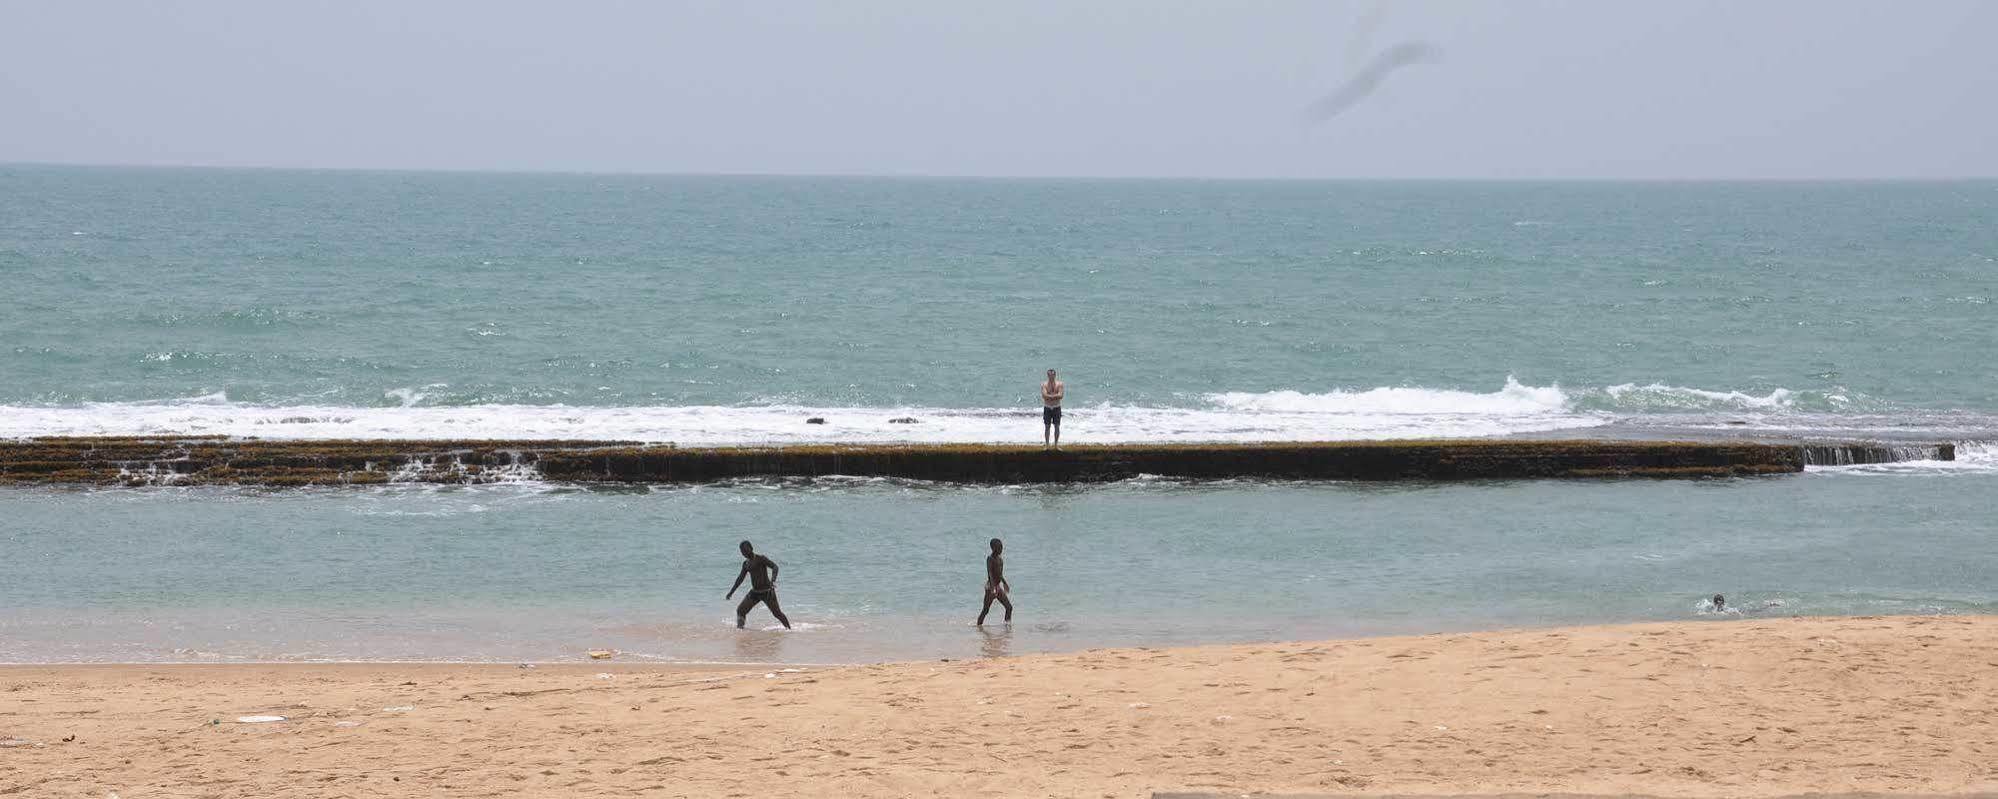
x=714, y=311
x=881, y=570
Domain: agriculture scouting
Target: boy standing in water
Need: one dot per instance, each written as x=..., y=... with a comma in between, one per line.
x=996, y=586
x=762, y=574
x=1051, y=394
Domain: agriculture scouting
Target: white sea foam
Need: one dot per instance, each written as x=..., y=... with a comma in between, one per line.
x=1512, y=400
x=759, y=424
x=1972, y=457
x=1375, y=413
x=1657, y=397
x=1274, y=416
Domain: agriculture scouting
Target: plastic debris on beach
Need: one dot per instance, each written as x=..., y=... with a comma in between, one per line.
x=258, y=719
x=399, y=709
x=17, y=743
x=604, y=675
x=348, y=723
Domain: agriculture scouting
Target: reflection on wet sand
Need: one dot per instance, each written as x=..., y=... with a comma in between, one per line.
x=759, y=646
x=998, y=640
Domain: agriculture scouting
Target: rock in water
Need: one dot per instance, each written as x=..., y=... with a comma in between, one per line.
x=816, y=420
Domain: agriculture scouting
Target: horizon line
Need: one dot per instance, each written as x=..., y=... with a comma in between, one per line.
x=973, y=176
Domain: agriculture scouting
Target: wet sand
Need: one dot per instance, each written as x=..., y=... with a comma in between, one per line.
x=1722, y=708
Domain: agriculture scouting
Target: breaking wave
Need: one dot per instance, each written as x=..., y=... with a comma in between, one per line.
x=1512, y=400
x=1655, y=398
x=1286, y=415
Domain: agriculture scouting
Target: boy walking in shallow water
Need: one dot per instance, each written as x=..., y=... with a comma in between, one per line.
x=996, y=586
x=762, y=574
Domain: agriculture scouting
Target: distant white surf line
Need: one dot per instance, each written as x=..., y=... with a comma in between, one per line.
x=1285, y=415
x=701, y=425
x=776, y=424
x=1512, y=400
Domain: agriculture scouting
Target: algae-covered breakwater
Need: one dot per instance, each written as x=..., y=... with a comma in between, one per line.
x=207, y=461
x=184, y=460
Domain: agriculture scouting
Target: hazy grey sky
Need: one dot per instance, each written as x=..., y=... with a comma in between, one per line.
x=1519, y=90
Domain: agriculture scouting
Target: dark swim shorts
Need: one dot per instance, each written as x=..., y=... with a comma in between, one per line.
x=1050, y=416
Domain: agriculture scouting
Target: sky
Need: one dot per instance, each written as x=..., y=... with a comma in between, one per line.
x=1425, y=89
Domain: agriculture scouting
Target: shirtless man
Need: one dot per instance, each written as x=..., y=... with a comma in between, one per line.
x=996, y=586
x=1051, y=393
x=762, y=574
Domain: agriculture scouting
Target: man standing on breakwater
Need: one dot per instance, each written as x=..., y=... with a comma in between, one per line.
x=1051, y=394
x=762, y=574
x=996, y=586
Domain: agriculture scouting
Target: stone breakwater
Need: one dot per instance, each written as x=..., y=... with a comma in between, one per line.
x=217, y=461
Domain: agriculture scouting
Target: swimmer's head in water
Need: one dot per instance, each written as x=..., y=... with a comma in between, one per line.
x=747, y=550
x=997, y=545
x=1719, y=601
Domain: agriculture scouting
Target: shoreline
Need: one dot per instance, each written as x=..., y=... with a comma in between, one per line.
x=871, y=656
x=1754, y=707
x=634, y=661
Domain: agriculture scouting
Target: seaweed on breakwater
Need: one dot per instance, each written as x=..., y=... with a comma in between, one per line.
x=1393, y=460
x=211, y=461
x=200, y=461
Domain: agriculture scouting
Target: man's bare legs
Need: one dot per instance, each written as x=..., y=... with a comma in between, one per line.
x=1052, y=393
x=771, y=603
x=992, y=595
x=749, y=601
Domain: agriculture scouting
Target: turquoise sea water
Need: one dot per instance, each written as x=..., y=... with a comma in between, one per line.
x=726, y=310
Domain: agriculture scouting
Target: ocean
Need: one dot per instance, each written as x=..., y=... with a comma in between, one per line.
x=727, y=310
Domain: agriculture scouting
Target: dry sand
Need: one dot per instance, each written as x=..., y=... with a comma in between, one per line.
x=1726, y=708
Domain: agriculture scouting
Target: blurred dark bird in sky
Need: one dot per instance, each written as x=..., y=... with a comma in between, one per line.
x=1368, y=78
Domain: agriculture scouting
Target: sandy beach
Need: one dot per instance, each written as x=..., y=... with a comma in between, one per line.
x=1724, y=708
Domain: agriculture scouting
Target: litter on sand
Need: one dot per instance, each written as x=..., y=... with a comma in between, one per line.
x=258, y=719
